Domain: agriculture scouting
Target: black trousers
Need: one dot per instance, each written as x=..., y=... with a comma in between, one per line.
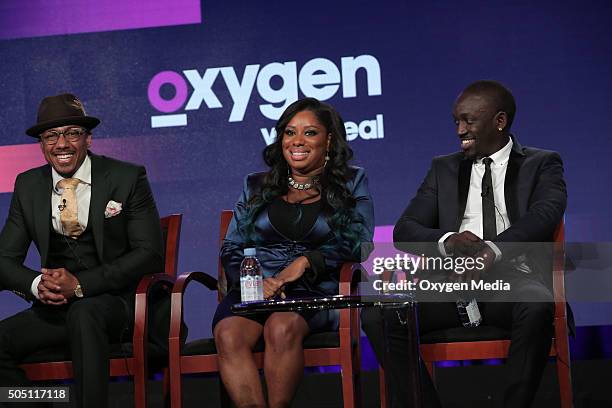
x=530, y=323
x=85, y=326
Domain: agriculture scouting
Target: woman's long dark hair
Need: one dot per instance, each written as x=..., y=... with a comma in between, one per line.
x=334, y=194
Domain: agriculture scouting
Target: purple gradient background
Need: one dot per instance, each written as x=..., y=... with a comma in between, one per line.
x=37, y=18
x=555, y=56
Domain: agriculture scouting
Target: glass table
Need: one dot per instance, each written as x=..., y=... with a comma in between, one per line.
x=403, y=303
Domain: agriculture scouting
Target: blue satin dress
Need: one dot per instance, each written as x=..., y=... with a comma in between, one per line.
x=276, y=251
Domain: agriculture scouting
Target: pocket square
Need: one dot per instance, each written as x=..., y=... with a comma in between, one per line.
x=113, y=208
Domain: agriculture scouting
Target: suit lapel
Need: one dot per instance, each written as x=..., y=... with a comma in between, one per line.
x=510, y=186
x=511, y=181
x=463, y=184
x=42, y=212
x=97, y=205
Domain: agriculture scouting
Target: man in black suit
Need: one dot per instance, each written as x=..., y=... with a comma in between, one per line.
x=476, y=203
x=94, y=222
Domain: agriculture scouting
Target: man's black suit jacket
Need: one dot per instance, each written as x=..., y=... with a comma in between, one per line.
x=534, y=192
x=129, y=245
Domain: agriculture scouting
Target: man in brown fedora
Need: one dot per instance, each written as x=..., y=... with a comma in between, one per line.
x=95, y=224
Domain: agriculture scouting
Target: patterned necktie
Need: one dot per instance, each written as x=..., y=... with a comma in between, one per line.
x=69, y=209
x=489, y=229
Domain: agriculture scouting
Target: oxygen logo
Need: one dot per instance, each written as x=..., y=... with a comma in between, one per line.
x=278, y=84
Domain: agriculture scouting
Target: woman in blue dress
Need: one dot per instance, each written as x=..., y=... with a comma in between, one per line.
x=306, y=216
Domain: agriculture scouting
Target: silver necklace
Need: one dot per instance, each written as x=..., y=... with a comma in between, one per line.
x=303, y=186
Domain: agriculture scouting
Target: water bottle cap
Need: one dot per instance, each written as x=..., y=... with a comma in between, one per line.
x=249, y=251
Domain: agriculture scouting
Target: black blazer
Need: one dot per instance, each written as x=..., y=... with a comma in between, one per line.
x=534, y=192
x=129, y=245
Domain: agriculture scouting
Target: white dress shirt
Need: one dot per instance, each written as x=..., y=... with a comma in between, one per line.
x=472, y=216
x=83, y=196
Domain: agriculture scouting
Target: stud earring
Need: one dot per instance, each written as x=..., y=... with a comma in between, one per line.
x=500, y=129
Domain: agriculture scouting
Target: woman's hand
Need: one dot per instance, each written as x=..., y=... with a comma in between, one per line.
x=294, y=271
x=274, y=286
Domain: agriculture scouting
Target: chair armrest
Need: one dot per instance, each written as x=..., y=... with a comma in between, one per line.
x=176, y=311
x=350, y=273
x=558, y=271
x=146, y=283
x=183, y=280
x=559, y=280
x=139, y=339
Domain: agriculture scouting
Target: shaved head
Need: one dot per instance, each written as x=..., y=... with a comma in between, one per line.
x=498, y=96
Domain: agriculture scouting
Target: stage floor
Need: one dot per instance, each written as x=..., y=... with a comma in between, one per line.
x=459, y=387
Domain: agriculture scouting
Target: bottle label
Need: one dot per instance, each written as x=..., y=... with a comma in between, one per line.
x=473, y=311
x=251, y=288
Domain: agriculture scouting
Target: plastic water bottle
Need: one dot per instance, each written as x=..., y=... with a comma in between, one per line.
x=251, y=279
x=469, y=313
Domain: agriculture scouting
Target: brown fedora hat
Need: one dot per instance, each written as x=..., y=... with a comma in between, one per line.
x=61, y=110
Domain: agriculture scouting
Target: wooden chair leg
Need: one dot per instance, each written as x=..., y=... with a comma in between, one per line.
x=140, y=388
x=351, y=382
x=382, y=384
x=348, y=379
x=348, y=387
x=176, y=398
x=564, y=373
x=565, y=384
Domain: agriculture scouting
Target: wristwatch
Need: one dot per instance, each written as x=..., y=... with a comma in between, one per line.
x=78, y=291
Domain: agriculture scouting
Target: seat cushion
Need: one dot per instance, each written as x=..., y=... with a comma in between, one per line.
x=117, y=350
x=48, y=355
x=460, y=334
x=199, y=347
x=314, y=341
x=322, y=340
